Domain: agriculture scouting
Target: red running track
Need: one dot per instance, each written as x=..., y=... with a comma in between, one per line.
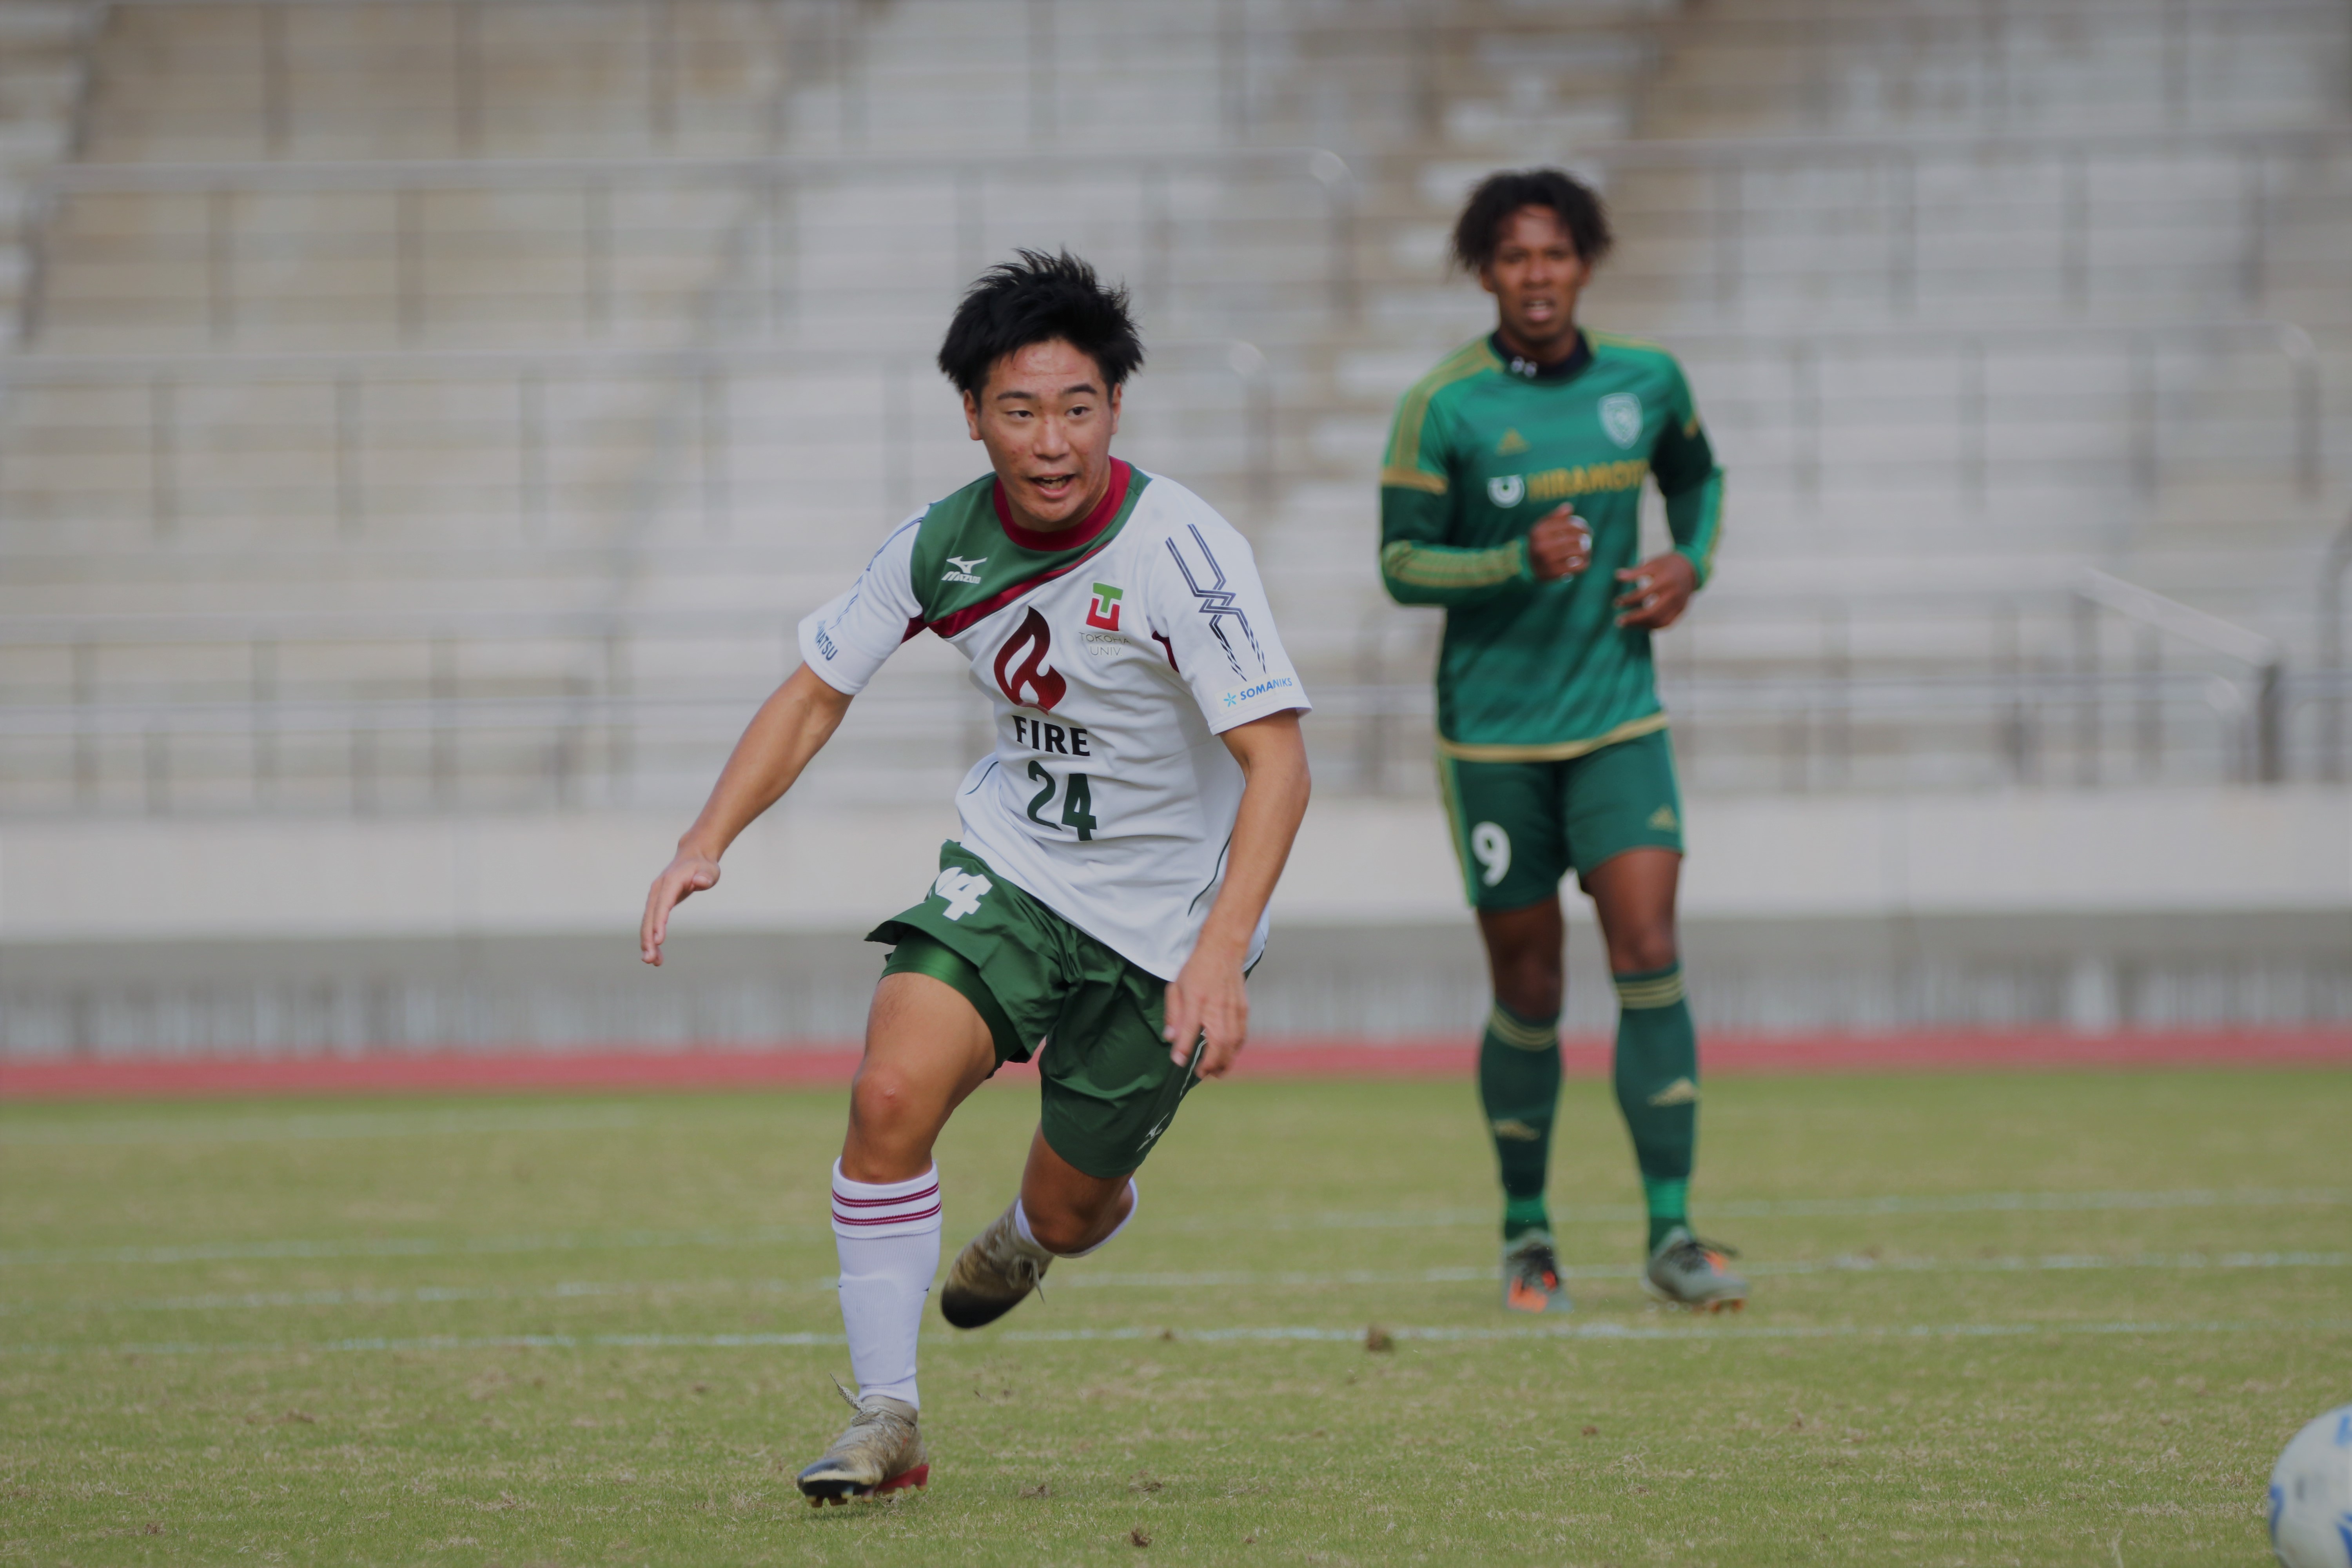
x=830, y=1064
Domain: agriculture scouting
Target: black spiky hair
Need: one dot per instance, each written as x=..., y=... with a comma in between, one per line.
x=1035, y=299
x=1501, y=193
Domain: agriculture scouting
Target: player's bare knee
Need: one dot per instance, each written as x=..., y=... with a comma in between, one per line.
x=882, y=1102
x=1530, y=981
x=1532, y=995
x=1063, y=1230
x=1644, y=951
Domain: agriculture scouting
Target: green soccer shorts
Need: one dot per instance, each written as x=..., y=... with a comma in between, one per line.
x=1520, y=828
x=1108, y=1088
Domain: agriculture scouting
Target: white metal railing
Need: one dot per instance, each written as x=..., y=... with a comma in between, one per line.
x=2096, y=683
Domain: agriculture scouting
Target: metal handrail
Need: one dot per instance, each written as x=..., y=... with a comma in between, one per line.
x=2264, y=708
x=2332, y=574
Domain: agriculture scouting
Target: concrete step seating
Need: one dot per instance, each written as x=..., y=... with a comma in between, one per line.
x=747, y=493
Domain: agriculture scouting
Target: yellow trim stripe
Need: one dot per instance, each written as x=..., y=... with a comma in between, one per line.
x=1619, y=341
x=1663, y=992
x=1447, y=792
x=1558, y=751
x=1424, y=566
x=1413, y=411
x=1715, y=539
x=1521, y=1037
x=1411, y=480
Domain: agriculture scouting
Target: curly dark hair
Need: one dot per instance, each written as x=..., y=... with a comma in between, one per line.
x=1035, y=299
x=1504, y=192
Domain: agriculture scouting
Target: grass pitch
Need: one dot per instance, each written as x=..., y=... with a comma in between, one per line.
x=1998, y=1320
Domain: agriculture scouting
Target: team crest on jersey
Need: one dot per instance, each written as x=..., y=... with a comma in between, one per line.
x=1621, y=416
x=960, y=570
x=1506, y=490
x=1031, y=683
x=1102, y=612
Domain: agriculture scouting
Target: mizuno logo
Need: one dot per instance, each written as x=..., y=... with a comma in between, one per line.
x=962, y=570
x=1682, y=1091
x=1516, y=1130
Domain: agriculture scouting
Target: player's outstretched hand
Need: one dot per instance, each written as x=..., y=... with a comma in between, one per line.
x=1657, y=591
x=1207, y=1003
x=1559, y=545
x=685, y=876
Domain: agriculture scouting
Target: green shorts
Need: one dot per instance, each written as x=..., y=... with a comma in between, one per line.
x=1520, y=828
x=1108, y=1088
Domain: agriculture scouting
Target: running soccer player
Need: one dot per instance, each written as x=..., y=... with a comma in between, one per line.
x=1119, y=845
x=1510, y=495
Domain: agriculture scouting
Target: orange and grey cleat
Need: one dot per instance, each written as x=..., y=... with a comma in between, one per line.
x=1687, y=1272
x=1531, y=1276
x=880, y=1451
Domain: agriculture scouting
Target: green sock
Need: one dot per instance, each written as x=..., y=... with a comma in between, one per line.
x=1656, y=1076
x=1518, y=1085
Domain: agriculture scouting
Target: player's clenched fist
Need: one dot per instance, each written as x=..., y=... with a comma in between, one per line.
x=689, y=874
x=1559, y=545
x=1656, y=591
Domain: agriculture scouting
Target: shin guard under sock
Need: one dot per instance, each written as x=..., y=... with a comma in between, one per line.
x=1518, y=1085
x=886, y=1235
x=1656, y=1078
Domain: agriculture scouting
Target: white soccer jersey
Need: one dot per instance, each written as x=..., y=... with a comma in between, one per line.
x=1115, y=652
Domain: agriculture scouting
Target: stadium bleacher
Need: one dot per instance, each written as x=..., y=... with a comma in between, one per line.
x=438, y=413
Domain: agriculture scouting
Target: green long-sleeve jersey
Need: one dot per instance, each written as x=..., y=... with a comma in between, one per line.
x=1485, y=445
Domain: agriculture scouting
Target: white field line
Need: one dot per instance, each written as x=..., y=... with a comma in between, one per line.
x=1812, y=1208
x=1422, y=1219
x=415, y=1247
x=1268, y=1334
x=440, y=1295
x=328, y=1124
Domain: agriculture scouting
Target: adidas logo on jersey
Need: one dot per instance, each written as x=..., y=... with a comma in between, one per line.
x=1511, y=445
x=1664, y=820
x=962, y=570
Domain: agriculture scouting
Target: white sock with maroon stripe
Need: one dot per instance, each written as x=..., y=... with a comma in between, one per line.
x=886, y=1235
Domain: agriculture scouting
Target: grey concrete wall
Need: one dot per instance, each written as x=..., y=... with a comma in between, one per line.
x=2088, y=909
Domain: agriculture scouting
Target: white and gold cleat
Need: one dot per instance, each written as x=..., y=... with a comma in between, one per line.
x=880, y=1451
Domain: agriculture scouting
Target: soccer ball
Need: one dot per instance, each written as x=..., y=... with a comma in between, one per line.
x=2311, y=1495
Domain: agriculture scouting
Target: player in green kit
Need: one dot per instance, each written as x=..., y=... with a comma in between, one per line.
x=1510, y=495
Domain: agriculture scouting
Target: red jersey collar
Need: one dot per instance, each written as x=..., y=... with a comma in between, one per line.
x=1066, y=538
